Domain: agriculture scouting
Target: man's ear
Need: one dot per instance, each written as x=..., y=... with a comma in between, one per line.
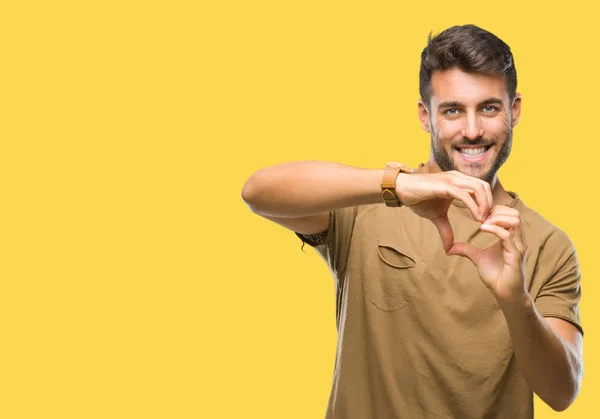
x=424, y=116
x=516, y=109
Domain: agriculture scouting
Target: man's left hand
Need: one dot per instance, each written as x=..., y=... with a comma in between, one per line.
x=502, y=265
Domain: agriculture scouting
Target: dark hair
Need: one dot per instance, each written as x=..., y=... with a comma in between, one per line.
x=470, y=49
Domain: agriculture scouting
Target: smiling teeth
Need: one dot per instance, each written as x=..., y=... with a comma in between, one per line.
x=472, y=152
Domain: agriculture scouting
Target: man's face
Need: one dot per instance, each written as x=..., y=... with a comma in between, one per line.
x=470, y=120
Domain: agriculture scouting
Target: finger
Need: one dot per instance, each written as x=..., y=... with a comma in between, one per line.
x=475, y=188
x=445, y=229
x=488, y=193
x=465, y=249
x=464, y=196
x=504, y=210
x=513, y=224
x=477, y=191
x=505, y=237
x=480, y=188
x=506, y=221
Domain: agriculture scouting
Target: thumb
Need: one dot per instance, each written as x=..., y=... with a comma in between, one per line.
x=466, y=250
x=443, y=225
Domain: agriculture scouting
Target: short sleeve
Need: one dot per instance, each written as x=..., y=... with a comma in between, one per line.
x=560, y=296
x=333, y=244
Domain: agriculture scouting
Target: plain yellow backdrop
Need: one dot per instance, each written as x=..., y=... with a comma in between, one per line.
x=135, y=283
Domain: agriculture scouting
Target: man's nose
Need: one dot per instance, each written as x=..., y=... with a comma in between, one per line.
x=472, y=128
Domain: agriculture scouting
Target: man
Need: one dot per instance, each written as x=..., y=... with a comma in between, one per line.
x=463, y=327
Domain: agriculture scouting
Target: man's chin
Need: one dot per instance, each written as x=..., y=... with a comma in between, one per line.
x=474, y=170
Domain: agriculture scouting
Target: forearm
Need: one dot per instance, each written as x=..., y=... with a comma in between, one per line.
x=299, y=189
x=550, y=365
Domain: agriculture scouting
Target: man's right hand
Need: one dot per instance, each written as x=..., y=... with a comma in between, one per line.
x=429, y=195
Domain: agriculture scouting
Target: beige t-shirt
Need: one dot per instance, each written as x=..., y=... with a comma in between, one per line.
x=419, y=334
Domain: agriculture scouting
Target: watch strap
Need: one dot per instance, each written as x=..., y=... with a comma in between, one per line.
x=388, y=183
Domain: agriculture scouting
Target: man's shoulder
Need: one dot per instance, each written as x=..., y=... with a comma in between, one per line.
x=546, y=232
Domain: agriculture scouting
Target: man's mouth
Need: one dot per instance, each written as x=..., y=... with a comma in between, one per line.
x=473, y=153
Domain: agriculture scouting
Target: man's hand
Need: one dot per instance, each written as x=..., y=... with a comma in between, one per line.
x=430, y=195
x=502, y=265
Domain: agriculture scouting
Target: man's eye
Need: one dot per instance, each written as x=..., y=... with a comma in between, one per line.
x=490, y=108
x=451, y=111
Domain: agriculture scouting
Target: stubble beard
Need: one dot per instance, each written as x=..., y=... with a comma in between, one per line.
x=444, y=161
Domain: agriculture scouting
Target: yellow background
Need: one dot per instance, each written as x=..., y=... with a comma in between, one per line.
x=135, y=283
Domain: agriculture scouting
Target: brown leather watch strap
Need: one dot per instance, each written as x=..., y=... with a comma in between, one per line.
x=388, y=183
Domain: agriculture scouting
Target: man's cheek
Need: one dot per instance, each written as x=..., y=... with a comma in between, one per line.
x=502, y=124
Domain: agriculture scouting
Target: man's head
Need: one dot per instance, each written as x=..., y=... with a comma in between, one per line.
x=468, y=100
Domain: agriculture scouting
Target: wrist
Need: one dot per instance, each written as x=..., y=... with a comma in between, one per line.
x=515, y=301
x=402, y=182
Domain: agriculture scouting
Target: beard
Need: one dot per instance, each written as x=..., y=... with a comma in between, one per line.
x=444, y=161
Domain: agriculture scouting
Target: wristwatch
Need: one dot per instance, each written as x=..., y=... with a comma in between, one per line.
x=388, y=183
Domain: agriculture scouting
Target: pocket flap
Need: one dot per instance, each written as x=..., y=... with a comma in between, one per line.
x=395, y=257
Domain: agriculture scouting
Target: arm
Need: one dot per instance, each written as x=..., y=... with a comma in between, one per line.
x=300, y=189
x=299, y=195
x=548, y=352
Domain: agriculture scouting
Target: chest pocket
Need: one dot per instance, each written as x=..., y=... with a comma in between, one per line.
x=393, y=277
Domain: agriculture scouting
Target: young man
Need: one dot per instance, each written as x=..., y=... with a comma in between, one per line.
x=463, y=327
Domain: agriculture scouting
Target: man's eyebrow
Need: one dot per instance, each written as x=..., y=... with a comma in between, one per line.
x=492, y=101
x=456, y=104
x=450, y=104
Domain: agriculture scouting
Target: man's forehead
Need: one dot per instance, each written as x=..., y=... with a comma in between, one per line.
x=455, y=85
